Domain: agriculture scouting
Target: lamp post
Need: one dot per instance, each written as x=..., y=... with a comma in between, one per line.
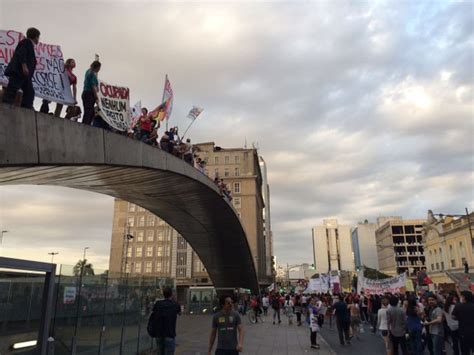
x=1, y=236
x=52, y=255
x=84, y=256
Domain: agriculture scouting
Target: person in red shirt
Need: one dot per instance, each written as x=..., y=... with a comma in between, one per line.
x=145, y=125
x=69, y=66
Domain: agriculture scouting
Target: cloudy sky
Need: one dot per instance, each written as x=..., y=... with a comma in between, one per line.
x=361, y=109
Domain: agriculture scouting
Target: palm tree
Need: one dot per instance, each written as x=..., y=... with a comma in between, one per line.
x=88, y=268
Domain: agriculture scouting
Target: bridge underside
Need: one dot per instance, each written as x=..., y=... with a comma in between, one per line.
x=39, y=150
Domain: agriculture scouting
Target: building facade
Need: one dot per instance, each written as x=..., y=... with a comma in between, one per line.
x=239, y=168
x=155, y=248
x=363, y=245
x=332, y=247
x=267, y=225
x=400, y=245
x=448, y=247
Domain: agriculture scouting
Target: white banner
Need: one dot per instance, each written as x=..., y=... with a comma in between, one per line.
x=114, y=105
x=195, y=112
x=50, y=80
x=323, y=284
x=395, y=284
x=136, y=113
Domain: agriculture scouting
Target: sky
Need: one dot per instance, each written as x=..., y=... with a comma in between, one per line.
x=360, y=108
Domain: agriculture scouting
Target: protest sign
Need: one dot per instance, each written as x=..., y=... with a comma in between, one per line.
x=395, y=284
x=50, y=79
x=114, y=105
x=69, y=296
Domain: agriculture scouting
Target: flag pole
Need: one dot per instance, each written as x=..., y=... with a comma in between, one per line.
x=188, y=129
x=163, y=98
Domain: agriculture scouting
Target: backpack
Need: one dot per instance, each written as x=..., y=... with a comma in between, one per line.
x=275, y=303
x=151, y=327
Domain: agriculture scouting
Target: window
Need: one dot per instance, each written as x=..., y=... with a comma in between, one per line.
x=141, y=221
x=437, y=266
x=432, y=266
x=181, y=272
x=149, y=235
x=127, y=268
x=442, y=265
x=131, y=221
x=237, y=159
x=140, y=209
x=138, y=252
x=159, y=251
x=140, y=236
x=216, y=160
x=131, y=207
x=138, y=267
x=237, y=202
x=237, y=187
x=237, y=171
x=129, y=252
x=453, y=263
x=150, y=221
x=226, y=172
x=148, y=266
x=216, y=172
x=159, y=266
x=149, y=251
x=246, y=155
x=160, y=235
x=227, y=160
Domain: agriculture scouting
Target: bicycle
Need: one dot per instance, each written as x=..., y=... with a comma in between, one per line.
x=253, y=318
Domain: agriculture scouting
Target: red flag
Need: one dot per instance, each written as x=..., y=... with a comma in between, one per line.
x=427, y=281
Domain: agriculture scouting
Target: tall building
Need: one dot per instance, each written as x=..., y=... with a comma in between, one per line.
x=363, y=244
x=156, y=249
x=332, y=247
x=448, y=247
x=240, y=170
x=267, y=225
x=400, y=245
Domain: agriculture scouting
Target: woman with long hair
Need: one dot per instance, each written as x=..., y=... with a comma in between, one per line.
x=453, y=324
x=414, y=326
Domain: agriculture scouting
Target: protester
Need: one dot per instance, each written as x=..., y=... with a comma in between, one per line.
x=265, y=304
x=414, y=327
x=162, y=323
x=342, y=320
x=276, y=307
x=188, y=153
x=435, y=325
x=382, y=324
x=69, y=66
x=298, y=310
x=464, y=313
x=396, y=321
x=355, y=317
x=313, y=324
x=145, y=125
x=226, y=324
x=452, y=324
x=289, y=311
x=90, y=92
x=20, y=70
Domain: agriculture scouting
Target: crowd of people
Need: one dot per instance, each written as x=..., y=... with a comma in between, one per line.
x=408, y=323
x=20, y=91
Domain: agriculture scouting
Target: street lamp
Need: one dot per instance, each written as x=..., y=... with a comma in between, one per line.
x=84, y=257
x=52, y=255
x=1, y=236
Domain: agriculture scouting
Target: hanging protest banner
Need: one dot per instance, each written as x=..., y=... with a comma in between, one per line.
x=195, y=112
x=50, y=80
x=114, y=105
x=395, y=284
x=323, y=284
x=168, y=98
x=136, y=113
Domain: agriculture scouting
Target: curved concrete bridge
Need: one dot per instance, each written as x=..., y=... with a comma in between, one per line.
x=37, y=149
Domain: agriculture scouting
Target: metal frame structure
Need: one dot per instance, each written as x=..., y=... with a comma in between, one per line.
x=48, y=294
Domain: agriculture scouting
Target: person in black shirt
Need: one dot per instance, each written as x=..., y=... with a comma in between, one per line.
x=20, y=70
x=464, y=313
x=343, y=320
x=163, y=323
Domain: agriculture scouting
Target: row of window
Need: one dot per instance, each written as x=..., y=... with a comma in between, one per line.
x=140, y=221
x=148, y=267
x=236, y=160
x=226, y=172
x=139, y=236
x=139, y=251
x=437, y=256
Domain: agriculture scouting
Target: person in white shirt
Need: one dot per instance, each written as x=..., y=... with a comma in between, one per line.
x=265, y=304
x=382, y=324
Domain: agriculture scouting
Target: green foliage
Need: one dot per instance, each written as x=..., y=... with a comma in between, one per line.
x=88, y=268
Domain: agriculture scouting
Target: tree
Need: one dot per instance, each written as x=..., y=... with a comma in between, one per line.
x=374, y=273
x=88, y=268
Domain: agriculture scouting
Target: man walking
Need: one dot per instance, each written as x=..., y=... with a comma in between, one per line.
x=225, y=324
x=396, y=322
x=20, y=70
x=464, y=313
x=436, y=325
x=342, y=320
x=276, y=307
x=162, y=323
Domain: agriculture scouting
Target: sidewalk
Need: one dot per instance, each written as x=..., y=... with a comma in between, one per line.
x=262, y=339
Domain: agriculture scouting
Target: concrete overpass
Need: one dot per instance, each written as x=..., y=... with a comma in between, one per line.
x=37, y=149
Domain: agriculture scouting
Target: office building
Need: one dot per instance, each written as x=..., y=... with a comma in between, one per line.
x=267, y=226
x=363, y=245
x=332, y=247
x=400, y=245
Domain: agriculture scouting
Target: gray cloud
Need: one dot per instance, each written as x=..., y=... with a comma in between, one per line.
x=360, y=109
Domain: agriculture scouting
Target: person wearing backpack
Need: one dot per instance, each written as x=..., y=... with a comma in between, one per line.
x=162, y=323
x=276, y=308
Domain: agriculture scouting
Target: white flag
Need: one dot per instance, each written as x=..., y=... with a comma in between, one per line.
x=136, y=113
x=195, y=112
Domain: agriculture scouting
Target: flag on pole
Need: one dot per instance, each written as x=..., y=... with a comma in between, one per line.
x=159, y=113
x=168, y=99
x=195, y=112
x=136, y=113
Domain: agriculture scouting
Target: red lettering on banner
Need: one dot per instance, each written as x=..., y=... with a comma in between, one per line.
x=49, y=49
x=114, y=92
x=6, y=54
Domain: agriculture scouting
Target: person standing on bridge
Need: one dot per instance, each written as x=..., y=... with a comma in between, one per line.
x=225, y=324
x=90, y=93
x=20, y=70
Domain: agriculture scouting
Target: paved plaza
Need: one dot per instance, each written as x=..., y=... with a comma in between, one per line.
x=262, y=339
